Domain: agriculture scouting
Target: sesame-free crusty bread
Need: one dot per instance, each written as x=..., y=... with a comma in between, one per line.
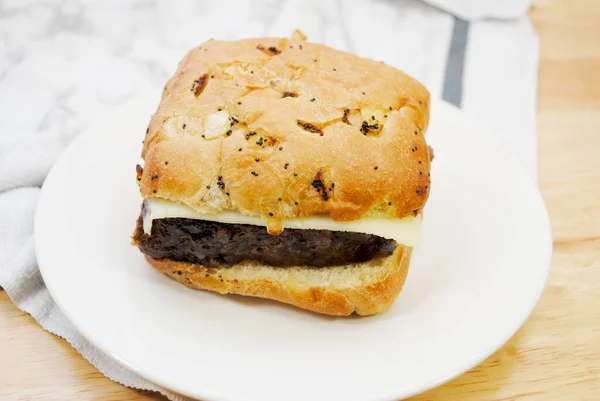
x=283, y=128
x=364, y=288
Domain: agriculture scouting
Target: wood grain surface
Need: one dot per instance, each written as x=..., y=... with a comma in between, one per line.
x=554, y=356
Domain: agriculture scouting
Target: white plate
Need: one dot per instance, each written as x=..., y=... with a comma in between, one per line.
x=472, y=282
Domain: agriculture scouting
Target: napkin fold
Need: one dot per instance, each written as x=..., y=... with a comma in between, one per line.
x=65, y=64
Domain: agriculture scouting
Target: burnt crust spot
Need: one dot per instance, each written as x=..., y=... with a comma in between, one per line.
x=271, y=51
x=345, y=117
x=309, y=127
x=367, y=128
x=220, y=182
x=199, y=85
x=289, y=94
x=319, y=184
x=138, y=172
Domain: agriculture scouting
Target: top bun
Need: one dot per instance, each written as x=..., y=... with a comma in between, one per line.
x=283, y=128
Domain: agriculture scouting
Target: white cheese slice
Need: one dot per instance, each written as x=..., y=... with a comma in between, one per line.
x=405, y=231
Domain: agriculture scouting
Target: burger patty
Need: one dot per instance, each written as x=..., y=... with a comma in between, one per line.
x=214, y=244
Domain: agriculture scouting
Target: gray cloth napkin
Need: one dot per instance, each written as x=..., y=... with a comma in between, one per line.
x=65, y=64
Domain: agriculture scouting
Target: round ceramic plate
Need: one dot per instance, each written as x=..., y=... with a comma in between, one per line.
x=473, y=280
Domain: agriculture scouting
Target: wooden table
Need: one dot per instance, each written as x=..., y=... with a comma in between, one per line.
x=554, y=356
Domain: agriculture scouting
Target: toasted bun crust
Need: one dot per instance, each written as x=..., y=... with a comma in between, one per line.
x=291, y=129
x=364, y=288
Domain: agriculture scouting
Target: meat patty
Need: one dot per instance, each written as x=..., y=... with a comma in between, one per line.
x=215, y=244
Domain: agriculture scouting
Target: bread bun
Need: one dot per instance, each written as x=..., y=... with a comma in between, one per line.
x=282, y=128
x=363, y=288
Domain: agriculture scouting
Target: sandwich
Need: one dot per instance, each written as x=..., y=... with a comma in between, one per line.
x=287, y=170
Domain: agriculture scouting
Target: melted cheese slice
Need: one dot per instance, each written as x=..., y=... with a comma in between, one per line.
x=406, y=231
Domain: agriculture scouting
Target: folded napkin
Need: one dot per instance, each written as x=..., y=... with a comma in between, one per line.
x=64, y=64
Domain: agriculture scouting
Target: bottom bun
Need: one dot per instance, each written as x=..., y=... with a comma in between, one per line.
x=365, y=288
